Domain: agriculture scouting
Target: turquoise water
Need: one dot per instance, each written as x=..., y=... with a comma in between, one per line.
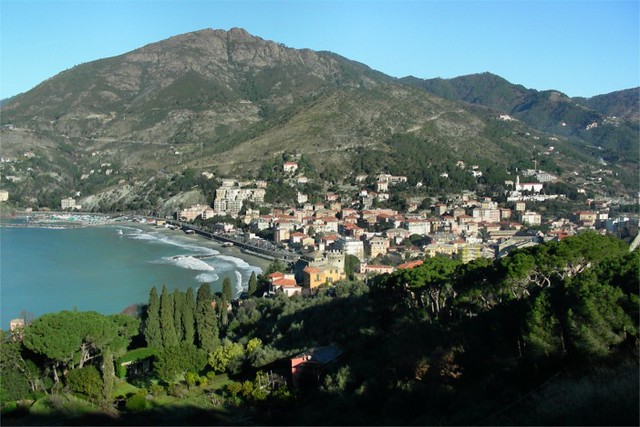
x=104, y=268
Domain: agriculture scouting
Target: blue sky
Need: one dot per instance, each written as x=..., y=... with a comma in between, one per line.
x=582, y=48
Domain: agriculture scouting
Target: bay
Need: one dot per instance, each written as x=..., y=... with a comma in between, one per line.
x=105, y=268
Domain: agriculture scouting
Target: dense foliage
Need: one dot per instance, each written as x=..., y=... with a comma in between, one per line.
x=547, y=335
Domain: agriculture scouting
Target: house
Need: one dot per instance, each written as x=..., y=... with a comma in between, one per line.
x=485, y=214
x=313, y=361
x=585, y=217
x=4, y=196
x=397, y=235
x=331, y=197
x=375, y=269
x=302, y=198
x=382, y=186
x=417, y=226
x=16, y=326
x=351, y=246
x=208, y=213
x=192, y=212
x=314, y=277
x=301, y=239
x=352, y=230
x=532, y=187
x=531, y=218
x=68, y=203
x=410, y=264
x=290, y=167
x=440, y=249
x=376, y=246
x=505, y=213
x=470, y=252
x=285, y=283
x=347, y=212
x=440, y=209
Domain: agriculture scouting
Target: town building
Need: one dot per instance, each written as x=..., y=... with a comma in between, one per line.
x=531, y=218
x=229, y=200
x=290, y=167
x=69, y=203
x=375, y=246
x=315, y=277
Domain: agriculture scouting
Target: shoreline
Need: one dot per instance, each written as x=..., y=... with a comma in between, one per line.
x=233, y=251
x=89, y=293
x=81, y=220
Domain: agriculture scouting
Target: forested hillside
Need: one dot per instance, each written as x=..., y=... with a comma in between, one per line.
x=545, y=336
x=228, y=103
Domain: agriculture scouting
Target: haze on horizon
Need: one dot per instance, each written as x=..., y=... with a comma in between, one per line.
x=579, y=48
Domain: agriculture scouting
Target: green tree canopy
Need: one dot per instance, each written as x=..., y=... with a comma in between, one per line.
x=71, y=338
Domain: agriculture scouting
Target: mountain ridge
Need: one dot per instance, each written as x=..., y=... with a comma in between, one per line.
x=229, y=101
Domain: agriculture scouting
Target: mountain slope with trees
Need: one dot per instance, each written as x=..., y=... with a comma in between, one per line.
x=229, y=102
x=616, y=115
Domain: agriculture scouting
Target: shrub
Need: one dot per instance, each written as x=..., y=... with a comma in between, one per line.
x=85, y=380
x=137, y=402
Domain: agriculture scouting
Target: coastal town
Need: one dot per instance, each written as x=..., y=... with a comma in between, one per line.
x=348, y=234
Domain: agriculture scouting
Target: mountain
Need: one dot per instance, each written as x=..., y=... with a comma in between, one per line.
x=623, y=103
x=233, y=103
x=609, y=122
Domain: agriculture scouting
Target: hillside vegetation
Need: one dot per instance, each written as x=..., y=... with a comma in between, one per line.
x=545, y=336
x=228, y=102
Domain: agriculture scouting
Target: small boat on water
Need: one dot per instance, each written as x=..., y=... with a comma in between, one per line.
x=120, y=232
x=226, y=244
x=188, y=231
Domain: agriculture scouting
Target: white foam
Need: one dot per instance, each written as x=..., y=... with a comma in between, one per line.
x=160, y=238
x=189, y=262
x=240, y=263
x=207, y=277
x=239, y=287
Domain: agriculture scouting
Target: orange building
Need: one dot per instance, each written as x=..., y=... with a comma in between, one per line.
x=317, y=276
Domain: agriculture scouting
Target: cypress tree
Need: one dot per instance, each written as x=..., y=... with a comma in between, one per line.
x=108, y=377
x=206, y=320
x=224, y=311
x=188, y=320
x=227, y=293
x=152, y=331
x=253, y=284
x=169, y=337
x=178, y=310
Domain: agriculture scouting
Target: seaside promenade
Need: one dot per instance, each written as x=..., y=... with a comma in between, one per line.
x=251, y=246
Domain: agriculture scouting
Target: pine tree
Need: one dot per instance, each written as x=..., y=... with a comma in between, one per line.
x=152, y=331
x=188, y=320
x=253, y=284
x=206, y=320
x=169, y=337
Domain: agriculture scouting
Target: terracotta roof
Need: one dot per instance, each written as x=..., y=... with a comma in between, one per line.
x=285, y=282
x=410, y=264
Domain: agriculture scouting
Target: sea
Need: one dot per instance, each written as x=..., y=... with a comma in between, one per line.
x=105, y=268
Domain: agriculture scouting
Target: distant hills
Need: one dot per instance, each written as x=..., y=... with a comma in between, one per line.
x=229, y=102
x=616, y=115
